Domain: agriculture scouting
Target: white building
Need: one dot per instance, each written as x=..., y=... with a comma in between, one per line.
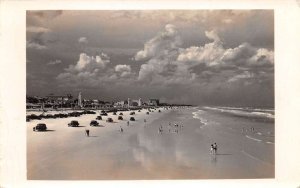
x=79, y=100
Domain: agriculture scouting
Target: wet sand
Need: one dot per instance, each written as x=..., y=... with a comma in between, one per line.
x=140, y=152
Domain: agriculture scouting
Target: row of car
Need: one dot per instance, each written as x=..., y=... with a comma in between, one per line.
x=60, y=115
x=74, y=123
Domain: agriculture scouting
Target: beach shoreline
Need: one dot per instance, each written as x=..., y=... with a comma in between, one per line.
x=141, y=152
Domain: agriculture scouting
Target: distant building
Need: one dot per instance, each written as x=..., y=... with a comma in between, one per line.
x=154, y=102
x=58, y=99
x=129, y=102
x=79, y=100
x=120, y=104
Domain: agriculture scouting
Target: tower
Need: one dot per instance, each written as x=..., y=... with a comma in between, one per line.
x=79, y=100
x=129, y=102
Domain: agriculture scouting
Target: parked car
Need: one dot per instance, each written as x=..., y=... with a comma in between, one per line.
x=94, y=123
x=121, y=114
x=132, y=113
x=159, y=111
x=120, y=118
x=115, y=113
x=74, y=114
x=139, y=111
x=132, y=119
x=103, y=114
x=147, y=113
x=73, y=124
x=89, y=112
x=99, y=118
x=40, y=127
x=49, y=116
x=33, y=116
x=109, y=120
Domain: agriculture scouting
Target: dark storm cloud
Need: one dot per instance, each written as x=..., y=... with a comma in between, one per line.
x=202, y=57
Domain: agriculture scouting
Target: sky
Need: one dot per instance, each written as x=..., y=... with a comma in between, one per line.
x=198, y=57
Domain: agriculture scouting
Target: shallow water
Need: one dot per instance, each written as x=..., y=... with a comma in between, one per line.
x=141, y=152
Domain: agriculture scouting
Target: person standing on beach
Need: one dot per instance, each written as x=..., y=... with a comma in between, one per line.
x=160, y=129
x=215, y=148
x=87, y=132
x=211, y=149
x=121, y=129
x=127, y=123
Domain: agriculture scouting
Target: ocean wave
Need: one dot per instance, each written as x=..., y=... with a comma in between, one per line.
x=196, y=115
x=253, y=138
x=248, y=112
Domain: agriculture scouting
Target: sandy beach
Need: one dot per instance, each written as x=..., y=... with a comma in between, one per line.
x=245, y=147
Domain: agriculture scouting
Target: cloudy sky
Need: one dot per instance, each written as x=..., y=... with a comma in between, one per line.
x=219, y=57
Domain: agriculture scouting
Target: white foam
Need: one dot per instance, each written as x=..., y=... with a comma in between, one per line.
x=253, y=138
x=243, y=112
x=196, y=115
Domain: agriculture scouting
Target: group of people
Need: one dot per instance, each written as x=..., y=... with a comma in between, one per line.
x=176, y=126
x=246, y=130
x=213, y=149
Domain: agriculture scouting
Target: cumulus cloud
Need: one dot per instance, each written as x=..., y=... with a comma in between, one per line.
x=83, y=40
x=124, y=70
x=244, y=75
x=161, y=44
x=35, y=45
x=212, y=35
x=214, y=54
x=204, y=65
x=89, y=63
x=87, y=71
x=55, y=62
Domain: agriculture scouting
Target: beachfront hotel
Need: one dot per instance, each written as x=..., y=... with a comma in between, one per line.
x=52, y=101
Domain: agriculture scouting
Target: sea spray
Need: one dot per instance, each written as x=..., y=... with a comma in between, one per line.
x=245, y=112
x=197, y=115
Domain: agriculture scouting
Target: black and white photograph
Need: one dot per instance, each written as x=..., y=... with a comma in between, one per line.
x=150, y=94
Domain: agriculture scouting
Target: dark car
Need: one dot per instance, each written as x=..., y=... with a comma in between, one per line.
x=89, y=112
x=132, y=113
x=120, y=118
x=103, y=114
x=147, y=113
x=115, y=113
x=74, y=114
x=40, y=127
x=49, y=116
x=139, y=111
x=33, y=116
x=121, y=114
x=94, y=123
x=109, y=120
x=159, y=111
x=132, y=119
x=99, y=118
x=73, y=124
